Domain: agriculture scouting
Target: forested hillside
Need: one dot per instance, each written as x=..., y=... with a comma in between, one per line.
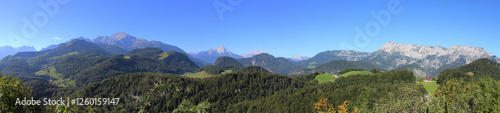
x=337, y=66
x=276, y=65
x=78, y=63
x=227, y=61
x=251, y=91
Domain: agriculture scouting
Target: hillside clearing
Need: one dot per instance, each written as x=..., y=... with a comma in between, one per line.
x=327, y=77
x=202, y=74
x=431, y=87
x=356, y=73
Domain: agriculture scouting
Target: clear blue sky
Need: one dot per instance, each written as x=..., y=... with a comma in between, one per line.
x=282, y=28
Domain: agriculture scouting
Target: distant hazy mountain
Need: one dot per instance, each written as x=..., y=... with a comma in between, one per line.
x=212, y=54
x=337, y=66
x=327, y=56
x=8, y=50
x=253, y=53
x=79, y=38
x=269, y=62
x=49, y=47
x=298, y=58
x=55, y=45
x=433, y=59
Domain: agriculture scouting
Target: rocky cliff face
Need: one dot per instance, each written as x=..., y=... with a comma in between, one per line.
x=432, y=59
x=417, y=71
x=298, y=58
x=426, y=60
x=422, y=52
x=129, y=42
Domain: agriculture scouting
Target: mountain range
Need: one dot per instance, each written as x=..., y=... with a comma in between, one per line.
x=125, y=67
x=433, y=59
x=426, y=60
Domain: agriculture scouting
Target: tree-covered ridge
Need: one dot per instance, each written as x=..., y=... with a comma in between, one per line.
x=211, y=69
x=361, y=94
x=348, y=70
x=477, y=69
x=276, y=65
x=227, y=61
x=482, y=67
x=148, y=52
x=174, y=62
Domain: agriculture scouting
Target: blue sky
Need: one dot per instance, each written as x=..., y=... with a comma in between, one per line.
x=282, y=28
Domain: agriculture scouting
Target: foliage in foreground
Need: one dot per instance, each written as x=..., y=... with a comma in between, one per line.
x=11, y=89
x=323, y=107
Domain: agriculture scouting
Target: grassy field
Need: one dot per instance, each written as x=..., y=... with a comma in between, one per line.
x=203, y=74
x=430, y=86
x=327, y=77
x=55, y=77
x=311, y=67
x=226, y=72
x=356, y=73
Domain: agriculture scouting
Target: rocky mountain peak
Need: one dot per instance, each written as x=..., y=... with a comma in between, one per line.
x=298, y=58
x=113, y=39
x=219, y=50
x=252, y=53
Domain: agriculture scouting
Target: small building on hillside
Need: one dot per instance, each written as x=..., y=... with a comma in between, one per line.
x=335, y=76
x=428, y=79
